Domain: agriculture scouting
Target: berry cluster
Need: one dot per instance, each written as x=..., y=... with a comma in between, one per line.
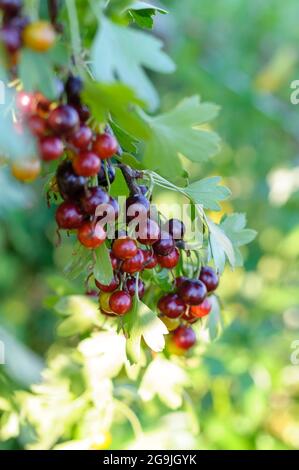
x=187, y=304
x=153, y=247
x=83, y=177
x=18, y=31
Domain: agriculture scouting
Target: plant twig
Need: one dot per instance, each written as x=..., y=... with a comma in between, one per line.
x=130, y=176
x=53, y=8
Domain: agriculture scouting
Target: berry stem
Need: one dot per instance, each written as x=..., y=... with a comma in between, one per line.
x=53, y=13
x=130, y=176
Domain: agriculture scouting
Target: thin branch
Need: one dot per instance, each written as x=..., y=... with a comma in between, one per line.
x=130, y=176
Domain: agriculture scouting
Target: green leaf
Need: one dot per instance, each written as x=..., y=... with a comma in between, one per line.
x=82, y=314
x=36, y=72
x=143, y=322
x=103, y=271
x=143, y=13
x=214, y=323
x=132, y=161
x=78, y=263
x=127, y=53
x=115, y=100
x=166, y=380
x=234, y=227
x=207, y=192
x=220, y=245
x=127, y=142
x=178, y=132
x=119, y=186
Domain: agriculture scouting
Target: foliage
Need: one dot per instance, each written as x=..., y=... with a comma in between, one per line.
x=232, y=394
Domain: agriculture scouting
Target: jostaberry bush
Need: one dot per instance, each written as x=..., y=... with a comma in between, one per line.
x=105, y=154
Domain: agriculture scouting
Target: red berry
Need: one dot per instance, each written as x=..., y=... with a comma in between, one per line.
x=25, y=102
x=51, y=148
x=91, y=235
x=202, y=309
x=189, y=318
x=120, y=302
x=110, y=287
x=184, y=337
x=69, y=216
x=94, y=198
x=165, y=245
x=133, y=265
x=169, y=261
x=209, y=278
x=171, y=305
x=130, y=287
x=136, y=206
x=176, y=228
x=124, y=248
x=105, y=146
x=148, y=232
x=63, y=120
x=150, y=259
x=82, y=137
x=192, y=291
x=86, y=164
x=37, y=125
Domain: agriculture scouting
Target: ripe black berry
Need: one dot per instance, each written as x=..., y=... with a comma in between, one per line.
x=120, y=302
x=176, y=228
x=94, y=198
x=165, y=245
x=70, y=185
x=102, y=179
x=73, y=88
x=63, y=120
x=209, y=278
x=171, y=305
x=81, y=138
x=130, y=287
x=192, y=291
x=11, y=38
x=11, y=7
x=137, y=205
x=133, y=265
x=148, y=232
x=150, y=259
x=184, y=337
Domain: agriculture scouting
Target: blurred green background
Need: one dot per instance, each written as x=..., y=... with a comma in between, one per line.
x=245, y=390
